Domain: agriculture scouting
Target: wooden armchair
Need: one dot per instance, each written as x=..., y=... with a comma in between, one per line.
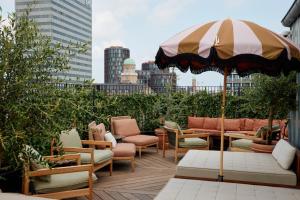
x=184, y=140
x=240, y=142
x=99, y=158
x=63, y=182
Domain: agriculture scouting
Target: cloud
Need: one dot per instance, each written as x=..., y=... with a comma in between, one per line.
x=233, y=4
x=166, y=11
x=106, y=25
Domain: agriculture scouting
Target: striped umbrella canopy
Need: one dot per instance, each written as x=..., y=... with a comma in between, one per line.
x=235, y=44
x=226, y=45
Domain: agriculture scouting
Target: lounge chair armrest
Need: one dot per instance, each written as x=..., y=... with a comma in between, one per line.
x=63, y=157
x=239, y=136
x=94, y=142
x=78, y=150
x=194, y=135
x=188, y=131
x=60, y=170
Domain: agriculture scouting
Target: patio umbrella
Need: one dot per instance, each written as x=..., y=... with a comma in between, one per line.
x=228, y=45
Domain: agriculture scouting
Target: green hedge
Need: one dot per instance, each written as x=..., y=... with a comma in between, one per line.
x=147, y=109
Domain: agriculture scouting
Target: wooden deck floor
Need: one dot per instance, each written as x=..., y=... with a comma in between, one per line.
x=151, y=174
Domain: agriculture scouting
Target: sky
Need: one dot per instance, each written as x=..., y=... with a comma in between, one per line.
x=142, y=25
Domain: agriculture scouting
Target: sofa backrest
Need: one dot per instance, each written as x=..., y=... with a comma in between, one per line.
x=195, y=122
x=230, y=124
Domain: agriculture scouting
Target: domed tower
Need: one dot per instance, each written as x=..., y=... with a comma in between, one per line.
x=129, y=75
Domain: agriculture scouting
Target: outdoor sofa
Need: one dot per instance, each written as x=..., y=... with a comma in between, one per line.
x=181, y=189
x=245, y=126
x=281, y=168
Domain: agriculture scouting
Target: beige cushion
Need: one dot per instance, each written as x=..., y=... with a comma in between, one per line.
x=238, y=166
x=17, y=196
x=126, y=127
x=284, y=153
x=98, y=132
x=209, y=190
x=70, y=138
x=62, y=182
x=141, y=140
x=124, y=150
x=110, y=138
x=99, y=156
x=242, y=144
x=193, y=142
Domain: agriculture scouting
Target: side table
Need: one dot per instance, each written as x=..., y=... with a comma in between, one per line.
x=162, y=139
x=118, y=138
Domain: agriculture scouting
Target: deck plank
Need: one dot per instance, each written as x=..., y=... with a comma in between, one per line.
x=151, y=174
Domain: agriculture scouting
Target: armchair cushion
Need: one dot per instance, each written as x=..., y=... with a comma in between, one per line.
x=70, y=138
x=124, y=150
x=242, y=144
x=126, y=127
x=141, y=140
x=193, y=142
x=99, y=156
x=62, y=182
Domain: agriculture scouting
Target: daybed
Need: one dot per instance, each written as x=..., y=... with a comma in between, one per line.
x=246, y=167
x=207, y=190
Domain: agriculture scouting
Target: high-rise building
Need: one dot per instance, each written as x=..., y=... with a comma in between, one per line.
x=113, y=63
x=129, y=75
x=65, y=22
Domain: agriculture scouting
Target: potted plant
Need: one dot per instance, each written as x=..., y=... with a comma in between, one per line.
x=273, y=96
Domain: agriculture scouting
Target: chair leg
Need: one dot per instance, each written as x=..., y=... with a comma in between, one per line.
x=157, y=147
x=175, y=156
x=132, y=164
x=111, y=168
x=140, y=152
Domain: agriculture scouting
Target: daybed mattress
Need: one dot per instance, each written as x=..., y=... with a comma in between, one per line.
x=183, y=189
x=238, y=166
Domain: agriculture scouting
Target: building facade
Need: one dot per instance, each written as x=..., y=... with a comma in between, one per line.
x=113, y=63
x=292, y=20
x=129, y=75
x=155, y=78
x=237, y=83
x=65, y=22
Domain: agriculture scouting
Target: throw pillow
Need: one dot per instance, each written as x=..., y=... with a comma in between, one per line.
x=284, y=153
x=37, y=162
x=264, y=129
x=110, y=138
x=98, y=133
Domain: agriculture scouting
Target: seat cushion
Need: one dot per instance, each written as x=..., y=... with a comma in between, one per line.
x=99, y=156
x=62, y=182
x=242, y=144
x=126, y=127
x=193, y=142
x=211, y=190
x=70, y=138
x=141, y=140
x=124, y=150
x=238, y=166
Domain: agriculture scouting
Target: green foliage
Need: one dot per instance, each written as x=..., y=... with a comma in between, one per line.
x=29, y=100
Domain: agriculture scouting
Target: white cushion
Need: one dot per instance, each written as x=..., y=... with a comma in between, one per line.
x=284, y=153
x=110, y=138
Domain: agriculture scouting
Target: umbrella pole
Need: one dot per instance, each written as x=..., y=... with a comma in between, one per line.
x=220, y=177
